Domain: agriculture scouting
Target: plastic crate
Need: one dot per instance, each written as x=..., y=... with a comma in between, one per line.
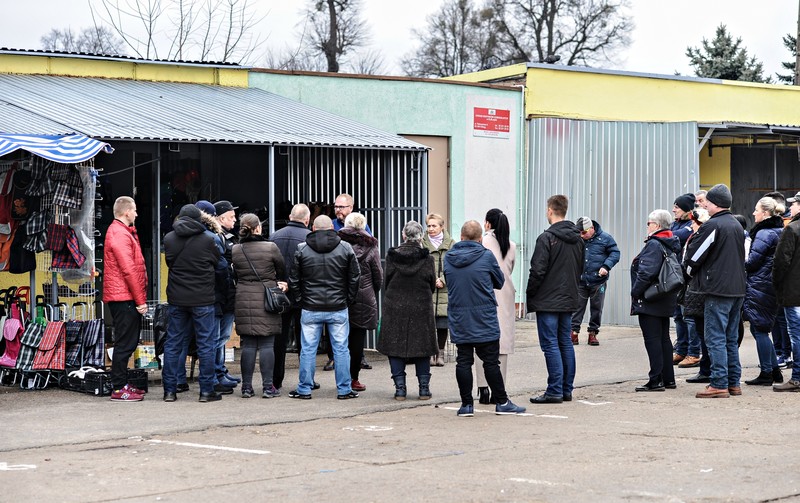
x=98, y=383
x=138, y=378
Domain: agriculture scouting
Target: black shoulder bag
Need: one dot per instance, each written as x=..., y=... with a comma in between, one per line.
x=275, y=300
x=669, y=279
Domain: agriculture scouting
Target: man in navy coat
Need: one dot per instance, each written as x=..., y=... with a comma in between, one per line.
x=472, y=275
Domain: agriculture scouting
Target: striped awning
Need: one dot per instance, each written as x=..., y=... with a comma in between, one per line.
x=67, y=149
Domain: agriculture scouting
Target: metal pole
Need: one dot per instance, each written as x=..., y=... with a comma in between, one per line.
x=156, y=222
x=271, y=189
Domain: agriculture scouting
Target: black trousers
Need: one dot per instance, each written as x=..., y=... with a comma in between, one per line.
x=489, y=353
x=127, y=322
x=290, y=330
x=705, y=360
x=655, y=330
x=355, y=343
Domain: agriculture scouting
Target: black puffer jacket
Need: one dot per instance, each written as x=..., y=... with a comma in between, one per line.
x=644, y=272
x=408, y=329
x=287, y=240
x=192, y=256
x=251, y=318
x=556, y=267
x=786, y=268
x=363, y=312
x=325, y=275
x=760, y=304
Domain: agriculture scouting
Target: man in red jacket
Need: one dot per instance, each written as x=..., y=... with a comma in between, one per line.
x=124, y=290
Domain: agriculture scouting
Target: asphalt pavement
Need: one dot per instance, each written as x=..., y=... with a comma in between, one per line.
x=609, y=444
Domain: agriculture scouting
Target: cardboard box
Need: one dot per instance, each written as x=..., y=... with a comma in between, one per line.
x=144, y=357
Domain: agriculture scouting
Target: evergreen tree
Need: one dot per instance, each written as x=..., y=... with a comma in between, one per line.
x=791, y=43
x=725, y=58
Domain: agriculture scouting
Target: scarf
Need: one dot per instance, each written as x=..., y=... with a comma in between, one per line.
x=436, y=241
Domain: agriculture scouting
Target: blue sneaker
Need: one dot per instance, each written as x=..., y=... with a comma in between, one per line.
x=232, y=377
x=466, y=411
x=508, y=408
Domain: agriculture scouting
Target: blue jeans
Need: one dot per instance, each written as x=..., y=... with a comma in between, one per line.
x=681, y=345
x=225, y=328
x=181, y=321
x=793, y=325
x=780, y=335
x=338, y=325
x=693, y=337
x=767, y=359
x=559, y=355
x=596, y=295
x=722, y=333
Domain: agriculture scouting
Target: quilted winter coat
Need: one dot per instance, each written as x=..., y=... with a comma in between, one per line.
x=440, y=294
x=251, y=318
x=760, y=302
x=644, y=272
x=363, y=312
x=125, y=275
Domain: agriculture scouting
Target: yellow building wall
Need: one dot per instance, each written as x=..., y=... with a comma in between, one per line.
x=134, y=70
x=715, y=169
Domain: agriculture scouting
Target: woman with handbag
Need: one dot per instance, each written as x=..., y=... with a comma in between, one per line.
x=258, y=264
x=654, y=312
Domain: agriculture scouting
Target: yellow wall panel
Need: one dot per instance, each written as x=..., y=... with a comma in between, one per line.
x=715, y=169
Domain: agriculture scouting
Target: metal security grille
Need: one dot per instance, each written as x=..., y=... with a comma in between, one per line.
x=389, y=187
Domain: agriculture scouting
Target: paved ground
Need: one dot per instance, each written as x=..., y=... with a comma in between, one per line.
x=610, y=444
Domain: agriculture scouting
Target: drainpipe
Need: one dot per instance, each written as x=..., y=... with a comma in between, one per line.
x=271, y=189
x=522, y=217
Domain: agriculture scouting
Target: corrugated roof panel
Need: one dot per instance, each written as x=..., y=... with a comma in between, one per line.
x=17, y=120
x=125, y=109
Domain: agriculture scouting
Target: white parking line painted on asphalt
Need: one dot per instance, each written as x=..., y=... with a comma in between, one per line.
x=5, y=467
x=528, y=414
x=367, y=428
x=213, y=447
x=537, y=482
x=587, y=402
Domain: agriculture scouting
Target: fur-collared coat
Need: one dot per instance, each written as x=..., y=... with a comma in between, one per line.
x=363, y=312
x=408, y=329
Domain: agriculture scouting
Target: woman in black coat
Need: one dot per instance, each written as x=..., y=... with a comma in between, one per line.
x=257, y=263
x=654, y=314
x=408, y=329
x=363, y=313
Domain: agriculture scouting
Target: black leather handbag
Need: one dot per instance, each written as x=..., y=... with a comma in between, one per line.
x=275, y=300
x=670, y=277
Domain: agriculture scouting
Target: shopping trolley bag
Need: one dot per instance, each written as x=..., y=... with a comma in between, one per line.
x=50, y=354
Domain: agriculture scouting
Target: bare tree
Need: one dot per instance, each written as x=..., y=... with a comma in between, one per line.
x=457, y=39
x=337, y=29
x=572, y=31
x=93, y=39
x=219, y=30
x=369, y=62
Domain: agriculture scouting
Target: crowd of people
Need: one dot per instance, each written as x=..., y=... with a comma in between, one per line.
x=435, y=288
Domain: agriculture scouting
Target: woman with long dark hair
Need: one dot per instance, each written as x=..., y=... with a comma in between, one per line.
x=496, y=239
x=258, y=263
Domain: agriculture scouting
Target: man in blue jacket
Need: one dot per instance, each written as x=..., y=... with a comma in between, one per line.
x=715, y=256
x=552, y=293
x=602, y=254
x=472, y=275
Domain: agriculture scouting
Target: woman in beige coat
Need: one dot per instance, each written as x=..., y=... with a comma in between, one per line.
x=496, y=239
x=437, y=241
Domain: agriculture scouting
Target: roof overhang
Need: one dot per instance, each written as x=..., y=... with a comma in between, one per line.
x=117, y=109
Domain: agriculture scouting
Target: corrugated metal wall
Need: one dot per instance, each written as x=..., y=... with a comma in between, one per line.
x=389, y=187
x=614, y=172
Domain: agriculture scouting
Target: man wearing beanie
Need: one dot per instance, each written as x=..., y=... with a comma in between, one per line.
x=191, y=255
x=684, y=353
x=715, y=256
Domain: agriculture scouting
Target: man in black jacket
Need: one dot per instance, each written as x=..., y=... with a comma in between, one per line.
x=323, y=282
x=556, y=267
x=192, y=256
x=715, y=256
x=287, y=240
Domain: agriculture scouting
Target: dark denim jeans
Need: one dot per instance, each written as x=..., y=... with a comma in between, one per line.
x=596, y=295
x=767, y=360
x=206, y=328
x=693, y=337
x=681, y=345
x=793, y=326
x=556, y=343
x=722, y=333
x=225, y=329
x=489, y=353
x=780, y=336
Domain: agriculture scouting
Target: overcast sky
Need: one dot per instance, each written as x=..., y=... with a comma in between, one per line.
x=663, y=29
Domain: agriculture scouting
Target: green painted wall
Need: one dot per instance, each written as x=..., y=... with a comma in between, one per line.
x=429, y=108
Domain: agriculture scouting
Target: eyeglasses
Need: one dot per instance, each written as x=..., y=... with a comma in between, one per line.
x=651, y=223
x=583, y=233
x=342, y=207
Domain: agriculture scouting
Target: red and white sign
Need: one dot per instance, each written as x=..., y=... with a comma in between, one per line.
x=491, y=122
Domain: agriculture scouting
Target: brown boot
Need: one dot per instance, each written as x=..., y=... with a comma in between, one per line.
x=711, y=392
x=593, y=338
x=575, y=339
